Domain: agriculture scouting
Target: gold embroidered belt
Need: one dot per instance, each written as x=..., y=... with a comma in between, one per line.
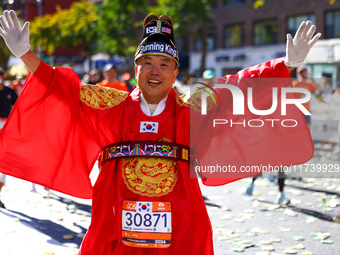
x=146, y=149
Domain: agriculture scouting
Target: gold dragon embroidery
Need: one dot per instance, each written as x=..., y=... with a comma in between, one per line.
x=101, y=97
x=152, y=177
x=194, y=101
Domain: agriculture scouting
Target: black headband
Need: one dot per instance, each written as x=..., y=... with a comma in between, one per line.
x=158, y=38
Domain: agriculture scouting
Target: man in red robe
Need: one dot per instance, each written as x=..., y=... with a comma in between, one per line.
x=144, y=200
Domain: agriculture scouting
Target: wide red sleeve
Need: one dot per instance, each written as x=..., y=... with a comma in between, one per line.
x=245, y=145
x=45, y=137
x=275, y=68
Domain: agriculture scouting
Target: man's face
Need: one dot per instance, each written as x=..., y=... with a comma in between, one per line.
x=155, y=76
x=304, y=73
x=111, y=74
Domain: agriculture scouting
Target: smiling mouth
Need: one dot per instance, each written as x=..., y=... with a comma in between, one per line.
x=154, y=82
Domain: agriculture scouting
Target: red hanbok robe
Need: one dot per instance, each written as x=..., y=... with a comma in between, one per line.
x=57, y=129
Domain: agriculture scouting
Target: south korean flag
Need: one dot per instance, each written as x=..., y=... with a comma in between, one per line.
x=144, y=207
x=150, y=30
x=148, y=127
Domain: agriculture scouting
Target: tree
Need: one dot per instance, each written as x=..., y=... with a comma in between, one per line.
x=4, y=51
x=107, y=27
x=115, y=25
x=258, y=3
x=66, y=28
x=189, y=13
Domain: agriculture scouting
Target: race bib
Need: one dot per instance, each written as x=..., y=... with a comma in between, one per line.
x=146, y=224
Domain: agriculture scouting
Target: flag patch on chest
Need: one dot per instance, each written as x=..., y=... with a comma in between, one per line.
x=148, y=127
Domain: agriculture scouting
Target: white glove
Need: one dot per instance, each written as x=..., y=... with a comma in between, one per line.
x=16, y=37
x=297, y=49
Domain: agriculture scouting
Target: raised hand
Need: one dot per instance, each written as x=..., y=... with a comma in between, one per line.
x=297, y=49
x=15, y=36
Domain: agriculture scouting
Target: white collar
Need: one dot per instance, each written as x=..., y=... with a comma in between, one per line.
x=145, y=106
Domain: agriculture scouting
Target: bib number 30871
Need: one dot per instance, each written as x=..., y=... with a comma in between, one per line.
x=146, y=224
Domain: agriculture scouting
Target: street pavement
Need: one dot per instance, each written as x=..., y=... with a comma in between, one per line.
x=32, y=224
x=256, y=225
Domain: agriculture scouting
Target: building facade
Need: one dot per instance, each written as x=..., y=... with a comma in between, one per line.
x=241, y=35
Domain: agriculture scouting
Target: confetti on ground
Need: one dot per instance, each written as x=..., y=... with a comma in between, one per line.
x=266, y=242
x=246, y=216
x=59, y=217
x=290, y=212
x=273, y=207
x=80, y=235
x=334, y=203
x=280, y=209
x=275, y=240
x=299, y=238
x=255, y=204
x=225, y=209
x=71, y=208
x=241, y=245
x=310, y=219
x=295, y=192
x=224, y=238
x=327, y=241
x=255, y=230
x=240, y=231
x=296, y=201
x=283, y=229
x=239, y=249
x=68, y=237
x=289, y=251
x=300, y=246
x=307, y=253
x=227, y=216
x=268, y=248
x=221, y=226
x=320, y=235
x=327, y=209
